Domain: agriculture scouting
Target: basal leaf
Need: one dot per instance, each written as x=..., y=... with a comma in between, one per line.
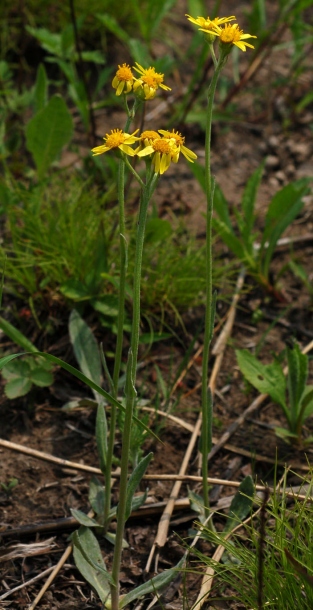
x=85, y=347
x=19, y=386
x=83, y=519
x=297, y=376
x=40, y=377
x=89, y=561
x=268, y=379
x=154, y=585
x=47, y=132
x=248, y=203
x=283, y=209
x=241, y=504
x=96, y=496
x=40, y=90
x=101, y=436
x=134, y=481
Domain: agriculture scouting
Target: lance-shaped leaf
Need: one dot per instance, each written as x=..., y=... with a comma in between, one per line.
x=241, y=504
x=155, y=585
x=268, y=379
x=134, y=481
x=101, y=437
x=85, y=348
x=89, y=561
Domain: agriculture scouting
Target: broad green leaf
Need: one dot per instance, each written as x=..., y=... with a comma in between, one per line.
x=285, y=434
x=49, y=41
x=16, y=369
x=195, y=7
x=80, y=403
x=233, y=243
x=87, y=556
x=154, y=585
x=40, y=91
x=96, y=496
x=16, y=336
x=157, y=230
x=47, y=132
x=196, y=504
x=134, y=481
x=139, y=52
x=112, y=25
x=138, y=501
x=307, y=402
x=283, y=209
x=96, y=57
x=101, y=437
x=241, y=504
x=19, y=386
x=296, y=380
x=83, y=519
x=75, y=290
x=248, y=203
x=107, y=305
x=85, y=347
x=111, y=538
x=268, y=379
x=41, y=378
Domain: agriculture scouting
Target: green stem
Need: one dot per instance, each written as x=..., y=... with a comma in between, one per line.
x=120, y=336
x=130, y=389
x=121, y=313
x=146, y=195
x=120, y=526
x=207, y=407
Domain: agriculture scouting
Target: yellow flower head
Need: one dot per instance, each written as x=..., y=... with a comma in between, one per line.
x=208, y=25
x=165, y=150
x=179, y=142
x=146, y=139
x=123, y=80
x=149, y=81
x=117, y=139
x=232, y=34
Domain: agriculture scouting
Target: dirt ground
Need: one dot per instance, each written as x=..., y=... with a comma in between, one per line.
x=46, y=492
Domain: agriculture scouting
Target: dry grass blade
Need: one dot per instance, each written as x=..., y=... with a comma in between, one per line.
x=31, y=581
x=51, y=578
x=27, y=550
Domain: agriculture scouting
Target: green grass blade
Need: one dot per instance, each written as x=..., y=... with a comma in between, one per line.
x=16, y=336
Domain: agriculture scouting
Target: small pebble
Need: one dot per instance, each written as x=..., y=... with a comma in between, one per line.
x=272, y=161
x=280, y=176
x=273, y=142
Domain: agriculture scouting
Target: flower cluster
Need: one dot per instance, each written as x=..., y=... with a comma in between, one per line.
x=228, y=34
x=163, y=147
x=144, y=87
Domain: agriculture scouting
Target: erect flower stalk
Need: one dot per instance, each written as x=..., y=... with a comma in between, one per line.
x=227, y=35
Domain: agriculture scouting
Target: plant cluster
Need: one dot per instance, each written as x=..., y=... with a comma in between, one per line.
x=102, y=256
